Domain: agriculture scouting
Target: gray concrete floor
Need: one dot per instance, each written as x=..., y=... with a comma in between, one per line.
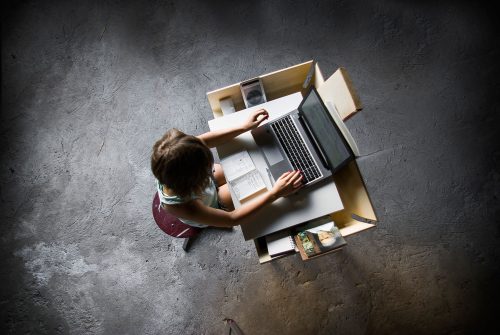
x=87, y=88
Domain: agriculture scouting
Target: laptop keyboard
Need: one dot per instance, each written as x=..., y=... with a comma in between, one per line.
x=295, y=148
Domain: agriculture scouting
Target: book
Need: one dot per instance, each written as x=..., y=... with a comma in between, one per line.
x=241, y=174
x=280, y=243
x=318, y=237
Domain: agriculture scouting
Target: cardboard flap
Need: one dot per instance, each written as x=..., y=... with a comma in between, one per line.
x=314, y=76
x=286, y=81
x=353, y=193
x=318, y=76
x=338, y=89
x=342, y=102
x=232, y=91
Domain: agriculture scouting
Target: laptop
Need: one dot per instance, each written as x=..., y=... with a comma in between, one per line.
x=306, y=139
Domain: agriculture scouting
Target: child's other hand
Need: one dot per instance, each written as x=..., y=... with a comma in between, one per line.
x=256, y=118
x=289, y=182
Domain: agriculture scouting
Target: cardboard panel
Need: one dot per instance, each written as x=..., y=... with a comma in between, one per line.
x=347, y=225
x=232, y=91
x=276, y=84
x=284, y=82
x=338, y=89
x=262, y=252
x=353, y=193
x=314, y=77
x=318, y=76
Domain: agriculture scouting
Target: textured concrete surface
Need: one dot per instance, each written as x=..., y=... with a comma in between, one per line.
x=86, y=89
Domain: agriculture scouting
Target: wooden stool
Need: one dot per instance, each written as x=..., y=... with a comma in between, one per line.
x=171, y=225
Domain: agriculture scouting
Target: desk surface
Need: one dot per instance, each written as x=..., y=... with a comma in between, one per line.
x=307, y=204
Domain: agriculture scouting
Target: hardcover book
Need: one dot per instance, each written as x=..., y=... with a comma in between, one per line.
x=318, y=237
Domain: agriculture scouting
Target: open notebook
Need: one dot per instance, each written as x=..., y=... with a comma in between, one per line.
x=242, y=175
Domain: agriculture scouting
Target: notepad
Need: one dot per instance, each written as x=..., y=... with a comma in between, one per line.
x=280, y=243
x=242, y=175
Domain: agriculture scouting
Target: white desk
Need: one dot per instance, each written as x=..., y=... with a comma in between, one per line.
x=310, y=203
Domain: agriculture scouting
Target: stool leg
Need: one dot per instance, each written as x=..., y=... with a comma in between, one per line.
x=186, y=243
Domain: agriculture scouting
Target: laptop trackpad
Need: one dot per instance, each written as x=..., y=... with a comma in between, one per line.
x=267, y=143
x=272, y=153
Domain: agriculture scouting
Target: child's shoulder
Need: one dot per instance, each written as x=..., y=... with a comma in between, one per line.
x=167, y=196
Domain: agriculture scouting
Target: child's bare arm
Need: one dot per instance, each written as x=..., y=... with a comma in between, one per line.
x=196, y=211
x=218, y=137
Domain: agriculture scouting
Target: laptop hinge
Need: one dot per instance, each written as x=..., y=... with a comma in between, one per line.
x=314, y=143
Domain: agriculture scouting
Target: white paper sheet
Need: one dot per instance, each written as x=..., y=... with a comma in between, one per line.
x=241, y=174
x=237, y=165
x=247, y=184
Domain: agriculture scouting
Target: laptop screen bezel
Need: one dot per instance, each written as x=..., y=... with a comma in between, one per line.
x=329, y=116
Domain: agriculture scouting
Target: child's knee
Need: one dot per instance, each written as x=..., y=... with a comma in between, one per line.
x=220, y=179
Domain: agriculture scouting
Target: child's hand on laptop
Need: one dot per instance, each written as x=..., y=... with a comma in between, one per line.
x=289, y=183
x=255, y=119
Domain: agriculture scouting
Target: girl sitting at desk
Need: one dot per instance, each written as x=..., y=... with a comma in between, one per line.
x=193, y=188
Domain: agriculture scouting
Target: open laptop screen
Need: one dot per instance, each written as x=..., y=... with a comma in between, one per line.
x=325, y=131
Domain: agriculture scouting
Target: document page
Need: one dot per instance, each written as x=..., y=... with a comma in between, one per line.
x=241, y=174
x=237, y=165
x=247, y=184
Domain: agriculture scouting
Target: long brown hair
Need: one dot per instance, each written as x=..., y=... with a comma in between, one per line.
x=182, y=163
